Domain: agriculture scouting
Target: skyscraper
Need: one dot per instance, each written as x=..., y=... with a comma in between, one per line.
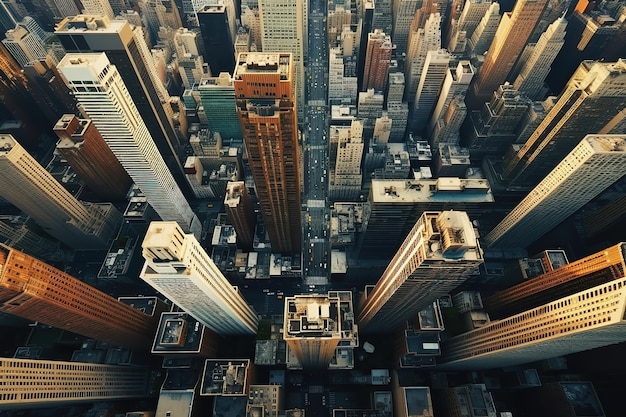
x=240, y=213
x=563, y=191
x=473, y=12
x=264, y=87
x=179, y=268
x=428, y=89
x=23, y=45
x=590, y=271
x=219, y=42
x=346, y=153
x=510, y=39
x=44, y=383
x=403, y=12
x=377, y=58
x=127, y=50
x=98, y=7
x=217, y=96
x=440, y=252
x=455, y=83
x=484, y=33
x=530, y=79
x=585, y=320
x=84, y=148
x=28, y=186
x=421, y=40
x=315, y=325
x=107, y=102
x=34, y=290
x=594, y=95
x=284, y=26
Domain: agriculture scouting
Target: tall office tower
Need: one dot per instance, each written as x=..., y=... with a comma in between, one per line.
x=585, y=320
x=37, y=383
x=510, y=39
x=24, y=46
x=264, y=87
x=563, y=191
x=383, y=15
x=485, y=32
x=15, y=232
x=158, y=14
x=593, y=96
x=339, y=15
x=342, y=77
x=462, y=30
x=456, y=83
x=28, y=186
x=217, y=95
x=219, y=42
x=190, y=63
x=34, y=290
x=492, y=130
x=377, y=59
x=530, y=80
x=440, y=252
x=365, y=27
x=403, y=12
x=394, y=206
x=240, y=213
x=433, y=74
x=127, y=50
x=447, y=127
x=250, y=19
x=283, y=27
x=598, y=268
x=420, y=42
x=382, y=130
x=369, y=108
x=179, y=268
x=395, y=87
x=590, y=33
x=10, y=13
x=98, y=7
x=112, y=110
x=318, y=325
x=346, y=145
x=85, y=150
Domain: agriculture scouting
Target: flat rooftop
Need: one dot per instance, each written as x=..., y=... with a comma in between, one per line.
x=225, y=377
x=178, y=333
x=443, y=189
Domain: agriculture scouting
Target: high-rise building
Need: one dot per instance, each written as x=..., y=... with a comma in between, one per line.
x=179, y=268
x=484, y=33
x=34, y=290
x=24, y=46
x=469, y=19
x=563, y=191
x=377, y=59
x=112, y=110
x=15, y=232
x=28, y=186
x=219, y=42
x=421, y=40
x=284, y=29
x=403, y=12
x=492, y=130
x=85, y=150
x=585, y=320
x=509, y=41
x=316, y=325
x=264, y=87
x=98, y=7
x=240, y=213
x=44, y=383
x=346, y=145
x=440, y=252
x=428, y=89
x=365, y=27
x=590, y=271
x=455, y=83
x=595, y=94
x=127, y=50
x=534, y=70
x=217, y=96
x=447, y=127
